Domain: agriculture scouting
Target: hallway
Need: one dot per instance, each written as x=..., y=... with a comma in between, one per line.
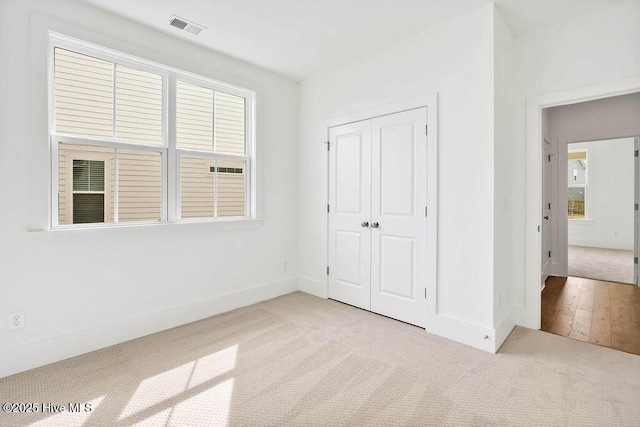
x=602, y=313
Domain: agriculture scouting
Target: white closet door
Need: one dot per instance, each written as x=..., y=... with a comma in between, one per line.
x=350, y=212
x=399, y=224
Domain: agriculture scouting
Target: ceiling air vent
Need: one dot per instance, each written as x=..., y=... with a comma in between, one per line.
x=185, y=25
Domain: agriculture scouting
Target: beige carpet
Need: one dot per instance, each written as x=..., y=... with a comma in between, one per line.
x=303, y=361
x=610, y=265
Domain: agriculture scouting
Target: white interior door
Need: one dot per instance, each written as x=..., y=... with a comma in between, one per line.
x=546, y=211
x=398, y=217
x=350, y=213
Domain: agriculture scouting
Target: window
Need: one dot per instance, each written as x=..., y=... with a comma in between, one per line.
x=88, y=191
x=134, y=141
x=577, y=184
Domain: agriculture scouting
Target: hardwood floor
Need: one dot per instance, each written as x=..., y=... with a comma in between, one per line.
x=602, y=313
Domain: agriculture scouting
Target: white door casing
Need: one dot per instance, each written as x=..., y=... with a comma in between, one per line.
x=350, y=207
x=377, y=218
x=398, y=201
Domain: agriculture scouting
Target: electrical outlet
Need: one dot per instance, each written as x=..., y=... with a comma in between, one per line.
x=285, y=266
x=16, y=320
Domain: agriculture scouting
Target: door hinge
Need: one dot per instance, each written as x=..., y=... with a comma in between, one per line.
x=549, y=254
x=548, y=157
x=328, y=146
x=538, y=229
x=549, y=206
x=425, y=211
x=636, y=206
x=327, y=208
x=635, y=260
x=636, y=153
x=327, y=270
x=425, y=293
x=426, y=129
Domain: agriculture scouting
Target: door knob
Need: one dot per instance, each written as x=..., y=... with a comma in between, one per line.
x=546, y=217
x=364, y=224
x=375, y=225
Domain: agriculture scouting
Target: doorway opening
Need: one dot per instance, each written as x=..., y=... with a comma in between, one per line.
x=589, y=234
x=600, y=195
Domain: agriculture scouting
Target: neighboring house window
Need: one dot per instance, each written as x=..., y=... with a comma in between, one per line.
x=89, y=194
x=135, y=141
x=577, y=174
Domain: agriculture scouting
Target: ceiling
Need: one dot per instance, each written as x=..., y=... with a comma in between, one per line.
x=300, y=38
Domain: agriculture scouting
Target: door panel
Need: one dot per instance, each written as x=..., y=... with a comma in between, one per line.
x=398, y=200
x=396, y=272
x=350, y=205
x=397, y=170
x=349, y=258
x=348, y=153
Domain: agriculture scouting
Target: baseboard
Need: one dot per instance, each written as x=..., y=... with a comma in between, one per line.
x=558, y=270
x=312, y=286
x=602, y=244
x=53, y=349
x=468, y=333
x=505, y=326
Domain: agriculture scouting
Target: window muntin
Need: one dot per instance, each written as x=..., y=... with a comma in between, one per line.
x=577, y=173
x=124, y=109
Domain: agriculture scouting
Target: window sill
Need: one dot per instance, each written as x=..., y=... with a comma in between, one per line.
x=231, y=224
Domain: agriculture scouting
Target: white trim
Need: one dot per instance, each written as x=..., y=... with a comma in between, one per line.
x=173, y=160
x=430, y=101
x=472, y=334
x=505, y=326
x=116, y=184
x=211, y=154
x=602, y=244
x=529, y=315
x=54, y=348
x=212, y=224
x=313, y=286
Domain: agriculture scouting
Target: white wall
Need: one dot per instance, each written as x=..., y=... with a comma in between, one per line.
x=505, y=277
x=142, y=279
x=591, y=49
x=603, y=118
x=610, y=196
x=456, y=61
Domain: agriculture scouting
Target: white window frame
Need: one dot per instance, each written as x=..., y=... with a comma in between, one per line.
x=170, y=154
x=585, y=185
